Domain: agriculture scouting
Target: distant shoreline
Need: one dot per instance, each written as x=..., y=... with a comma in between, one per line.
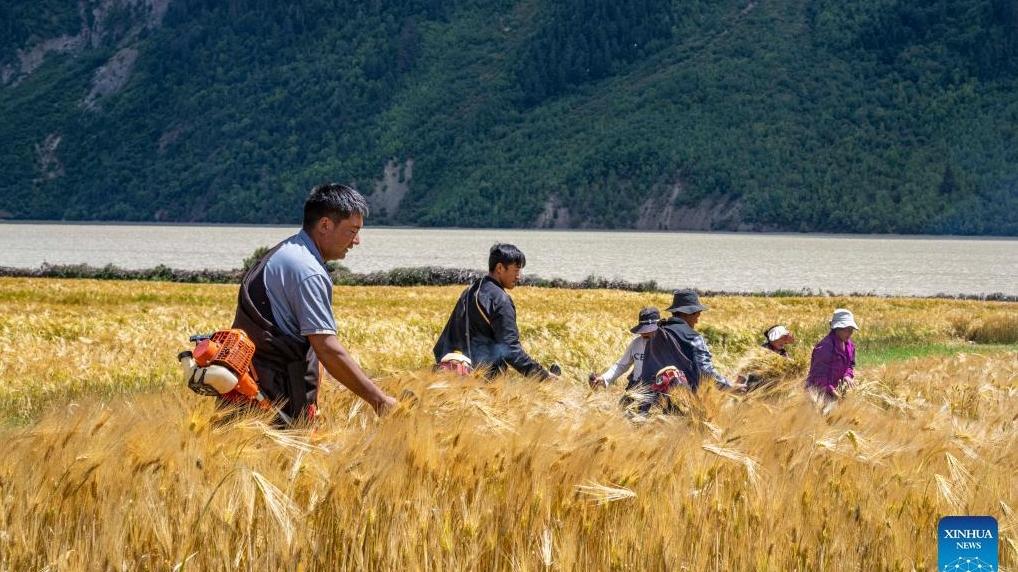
x=428, y=276
x=294, y=226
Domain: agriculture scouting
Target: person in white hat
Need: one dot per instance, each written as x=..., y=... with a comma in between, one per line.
x=776, y=338
x=756, y=365
x=832, y=367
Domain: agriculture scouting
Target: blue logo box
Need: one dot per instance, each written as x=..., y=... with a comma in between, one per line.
x=967, y=544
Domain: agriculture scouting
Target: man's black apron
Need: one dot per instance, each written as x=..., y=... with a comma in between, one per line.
x=287, y=368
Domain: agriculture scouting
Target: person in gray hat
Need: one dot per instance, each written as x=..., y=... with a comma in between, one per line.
x=691, y=355
x=633, y=356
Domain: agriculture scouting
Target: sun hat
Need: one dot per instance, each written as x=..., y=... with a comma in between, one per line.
x=843, y=319
x=456, y=357
x=775, y=333
x=649, y=318
x=685, y=301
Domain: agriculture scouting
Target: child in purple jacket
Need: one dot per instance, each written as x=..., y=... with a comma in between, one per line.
x=832, y=368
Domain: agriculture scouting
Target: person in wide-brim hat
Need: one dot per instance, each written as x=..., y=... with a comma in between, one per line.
x=686, y=309
x=644, y=329
x=686, y=301
x=648, y=319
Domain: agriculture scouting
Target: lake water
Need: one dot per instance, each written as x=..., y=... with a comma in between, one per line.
x=710, y=261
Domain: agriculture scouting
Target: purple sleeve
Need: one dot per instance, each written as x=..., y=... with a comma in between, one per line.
x=820, y=366
x=850, y=350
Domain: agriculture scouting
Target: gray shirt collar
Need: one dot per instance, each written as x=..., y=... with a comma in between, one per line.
x=305, y=238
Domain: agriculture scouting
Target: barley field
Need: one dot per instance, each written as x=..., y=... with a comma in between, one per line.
x=108, y=462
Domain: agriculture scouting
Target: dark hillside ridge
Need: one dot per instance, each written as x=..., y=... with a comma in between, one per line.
x=875, y=116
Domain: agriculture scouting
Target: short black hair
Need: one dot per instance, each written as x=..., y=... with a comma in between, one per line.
x=507, y=254
x=335, y=201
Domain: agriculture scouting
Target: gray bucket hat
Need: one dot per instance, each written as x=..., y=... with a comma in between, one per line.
x=649, y=318
x=686, y=301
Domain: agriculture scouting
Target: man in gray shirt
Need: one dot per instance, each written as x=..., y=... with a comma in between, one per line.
x=285, y=306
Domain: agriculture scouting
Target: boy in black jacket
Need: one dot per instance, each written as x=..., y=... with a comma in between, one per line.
x=483, y=323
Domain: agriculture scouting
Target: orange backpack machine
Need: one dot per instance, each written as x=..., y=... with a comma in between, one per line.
x=220, y=365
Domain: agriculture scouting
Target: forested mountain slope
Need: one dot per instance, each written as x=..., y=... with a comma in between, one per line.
x=832, y=116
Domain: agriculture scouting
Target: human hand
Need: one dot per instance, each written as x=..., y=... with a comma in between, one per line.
x=384, y=405
x=596, y=381
x=551, y=373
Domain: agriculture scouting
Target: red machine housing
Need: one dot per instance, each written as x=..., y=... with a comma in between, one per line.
x=232, y=349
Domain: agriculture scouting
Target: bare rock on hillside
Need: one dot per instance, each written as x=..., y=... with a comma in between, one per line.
x=30, y=60
x=157, y=12
x=111, y=77
x=48, y=162
x=389, y=192
x=661, y=213
x=554, y=215
x=170, y=136
x=95, y=31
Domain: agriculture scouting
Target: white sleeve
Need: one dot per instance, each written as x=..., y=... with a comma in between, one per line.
x=622, y=366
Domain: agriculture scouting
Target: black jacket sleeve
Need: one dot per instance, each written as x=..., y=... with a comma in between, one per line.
x=503, y=323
